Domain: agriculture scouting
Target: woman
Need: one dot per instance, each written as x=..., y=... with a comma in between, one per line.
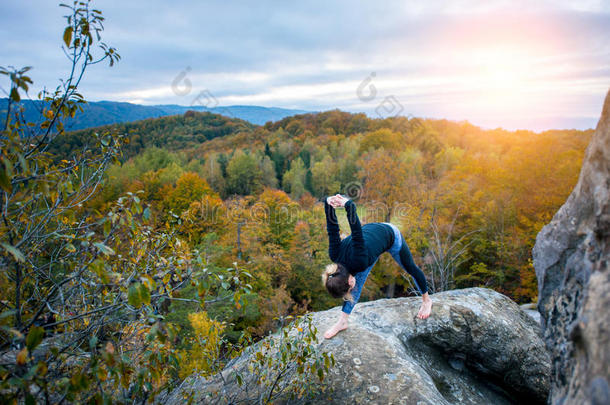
x=355, y=256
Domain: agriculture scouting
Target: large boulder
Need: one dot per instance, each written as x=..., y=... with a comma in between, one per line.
x=571, y=260
x=477, y=347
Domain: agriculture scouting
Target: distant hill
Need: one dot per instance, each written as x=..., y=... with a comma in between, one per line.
x=198, y=132
x=100, y=113
x=251, y=113
x=175, y=132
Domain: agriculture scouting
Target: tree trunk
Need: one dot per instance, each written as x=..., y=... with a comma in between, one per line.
x=239, y=240
x=391, y=289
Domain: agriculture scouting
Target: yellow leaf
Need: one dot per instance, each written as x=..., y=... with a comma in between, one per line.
x=101, y=374
x=22, y=356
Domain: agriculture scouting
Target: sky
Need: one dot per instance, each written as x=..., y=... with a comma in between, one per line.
x=495, y=63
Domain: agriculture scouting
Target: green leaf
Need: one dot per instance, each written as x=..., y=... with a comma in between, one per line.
x=14, y=251
x=144, y=294
x=99, y=268
x=133, y=296
x=7, y=313
x=15, y=95
x=107, y=227
x=93, y=342
x=23, y=162
x=34, y=337
x=5, y=182
x=146, y=213
x=68, y=36
x=104, y=249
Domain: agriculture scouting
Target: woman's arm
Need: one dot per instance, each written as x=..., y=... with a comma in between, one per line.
x=332, y=228
x=354, y=223
x=360, y=254
x=359, y=259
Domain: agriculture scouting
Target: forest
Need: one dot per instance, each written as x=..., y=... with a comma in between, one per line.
x=136, y=254
x=469, y=201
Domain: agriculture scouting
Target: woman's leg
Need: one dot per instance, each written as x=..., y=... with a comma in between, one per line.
x=404, y=258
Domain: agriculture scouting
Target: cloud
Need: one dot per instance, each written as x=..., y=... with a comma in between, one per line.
x=465, y=59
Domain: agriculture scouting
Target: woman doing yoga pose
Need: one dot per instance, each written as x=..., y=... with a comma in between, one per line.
x=354, y=257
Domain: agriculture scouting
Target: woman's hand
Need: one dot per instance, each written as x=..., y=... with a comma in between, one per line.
x=337, y=200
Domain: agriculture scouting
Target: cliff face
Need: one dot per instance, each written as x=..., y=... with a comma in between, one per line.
x=477, y=347
x=571, y=260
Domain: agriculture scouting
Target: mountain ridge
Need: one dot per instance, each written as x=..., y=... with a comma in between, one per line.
x=106, y=112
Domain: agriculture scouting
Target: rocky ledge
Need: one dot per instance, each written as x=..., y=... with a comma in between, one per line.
x=477, y=347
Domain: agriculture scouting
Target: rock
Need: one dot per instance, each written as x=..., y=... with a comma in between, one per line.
x=531, y=310
x=477, y=347
x=571, y=261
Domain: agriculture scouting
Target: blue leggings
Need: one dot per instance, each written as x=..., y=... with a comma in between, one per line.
x=402, y=255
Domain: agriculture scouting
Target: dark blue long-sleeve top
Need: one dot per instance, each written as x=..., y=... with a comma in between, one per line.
x=359, y=250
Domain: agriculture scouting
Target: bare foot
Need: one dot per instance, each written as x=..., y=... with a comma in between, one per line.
x=425, y=309
x=336, y=328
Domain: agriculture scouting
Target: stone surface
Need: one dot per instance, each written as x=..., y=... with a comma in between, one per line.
x=571, y=261
x=477, y=347
x=532, y=310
